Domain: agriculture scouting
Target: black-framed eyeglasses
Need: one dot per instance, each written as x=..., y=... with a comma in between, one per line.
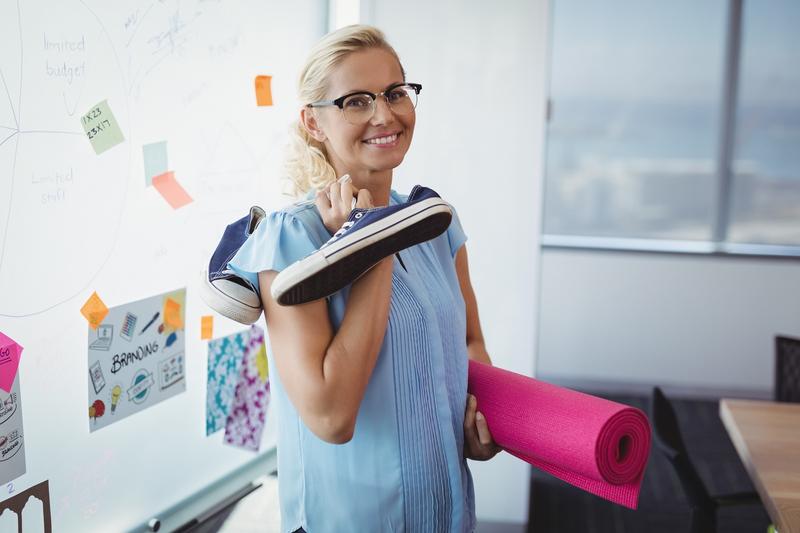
x=359, y=107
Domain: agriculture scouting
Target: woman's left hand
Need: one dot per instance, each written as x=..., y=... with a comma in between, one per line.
x=478, y=442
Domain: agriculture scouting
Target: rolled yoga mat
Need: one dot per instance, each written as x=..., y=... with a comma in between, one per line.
x=595, y=444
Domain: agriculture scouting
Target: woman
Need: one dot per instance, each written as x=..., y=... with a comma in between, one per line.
x=369, y=385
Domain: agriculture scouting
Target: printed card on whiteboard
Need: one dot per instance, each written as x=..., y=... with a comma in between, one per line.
x=12, y=445
x=135, y=359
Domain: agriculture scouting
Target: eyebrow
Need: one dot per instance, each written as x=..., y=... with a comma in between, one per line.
x=356, y=91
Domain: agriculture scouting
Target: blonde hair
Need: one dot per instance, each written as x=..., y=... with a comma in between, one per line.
x=307, y=164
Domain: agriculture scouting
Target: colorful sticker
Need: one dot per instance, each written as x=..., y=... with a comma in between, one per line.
x=10, y=354
x=155, y=160
x=225, y=355
x=246, y=417
x=94, y=310
x=206, y=327
x=263, y=90
x=172, y=191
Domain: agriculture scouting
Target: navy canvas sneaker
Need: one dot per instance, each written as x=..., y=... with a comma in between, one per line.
x=222, y=289
x=367, y=236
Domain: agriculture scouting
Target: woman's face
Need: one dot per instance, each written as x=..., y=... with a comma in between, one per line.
x=363, y=150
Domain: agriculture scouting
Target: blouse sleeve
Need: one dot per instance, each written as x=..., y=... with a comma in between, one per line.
x=455, y=233
x=279, y=240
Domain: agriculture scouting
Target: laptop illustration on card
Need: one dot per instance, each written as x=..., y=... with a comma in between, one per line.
x=105, y=334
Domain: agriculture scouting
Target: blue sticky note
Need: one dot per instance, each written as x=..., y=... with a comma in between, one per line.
x=155, y=160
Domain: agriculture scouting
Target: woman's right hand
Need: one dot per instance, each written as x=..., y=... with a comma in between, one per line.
x=336, y=201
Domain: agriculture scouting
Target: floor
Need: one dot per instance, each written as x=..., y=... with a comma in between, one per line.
x=558, y=507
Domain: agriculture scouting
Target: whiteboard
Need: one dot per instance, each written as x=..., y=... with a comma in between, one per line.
x=73, y=222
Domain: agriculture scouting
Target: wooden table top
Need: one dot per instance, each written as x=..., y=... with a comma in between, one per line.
x=767, y=437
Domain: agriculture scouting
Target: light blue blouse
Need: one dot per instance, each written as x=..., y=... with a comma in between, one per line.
x=404, y=469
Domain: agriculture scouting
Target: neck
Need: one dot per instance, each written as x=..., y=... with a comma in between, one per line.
x=378, y=184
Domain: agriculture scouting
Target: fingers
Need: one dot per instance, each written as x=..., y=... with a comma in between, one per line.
x=336, y=201
x=364, y=199
x=346, y=193
x=478, y=442
x=335, y=194
x=471, y=441
x=483, y=430
x=322, y=201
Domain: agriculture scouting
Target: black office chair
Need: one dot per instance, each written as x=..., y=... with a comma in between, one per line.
x=787, y=369
x=668, y=439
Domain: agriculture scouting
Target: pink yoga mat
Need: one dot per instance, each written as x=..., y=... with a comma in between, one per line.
x=594, y=444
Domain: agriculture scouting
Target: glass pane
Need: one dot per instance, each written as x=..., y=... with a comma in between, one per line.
x=633, y=135
x=766, y=190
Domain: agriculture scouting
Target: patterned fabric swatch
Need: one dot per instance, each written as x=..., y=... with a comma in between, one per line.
x=246, y=418
x=225, y=356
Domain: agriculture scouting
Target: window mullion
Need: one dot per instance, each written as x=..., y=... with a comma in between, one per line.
x=727, y=137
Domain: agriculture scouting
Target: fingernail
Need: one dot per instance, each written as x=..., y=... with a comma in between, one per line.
x=344, y=178
x=478, y=416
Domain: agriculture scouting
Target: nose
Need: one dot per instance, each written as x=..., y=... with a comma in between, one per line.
x=383, y=113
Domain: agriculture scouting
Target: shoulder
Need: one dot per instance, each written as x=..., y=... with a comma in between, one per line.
x=303, y=216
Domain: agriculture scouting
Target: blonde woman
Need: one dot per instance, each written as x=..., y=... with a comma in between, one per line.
x=369, y=385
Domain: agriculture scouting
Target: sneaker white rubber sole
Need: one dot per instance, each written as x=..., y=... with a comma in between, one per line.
x=329, y=269
x=231, y=300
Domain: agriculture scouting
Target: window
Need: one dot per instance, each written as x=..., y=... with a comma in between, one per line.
x=642, y=125
x=765, y=207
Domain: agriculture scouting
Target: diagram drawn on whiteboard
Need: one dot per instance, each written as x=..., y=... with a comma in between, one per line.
x=59, y=198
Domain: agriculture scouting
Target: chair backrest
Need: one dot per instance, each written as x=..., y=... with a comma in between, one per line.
x=787, y=369
x=669, y=440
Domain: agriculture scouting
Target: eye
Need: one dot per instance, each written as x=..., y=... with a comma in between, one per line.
x=395, y=95
x=358, y=101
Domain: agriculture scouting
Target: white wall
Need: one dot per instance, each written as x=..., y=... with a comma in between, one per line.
x=478, y=142
x=704, y=325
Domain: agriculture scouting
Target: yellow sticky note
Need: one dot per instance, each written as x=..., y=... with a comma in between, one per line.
x=172, y=191
x=172, y=314
x=94, y=310
x=261, y=363
x=263, y=90
x=206, y=327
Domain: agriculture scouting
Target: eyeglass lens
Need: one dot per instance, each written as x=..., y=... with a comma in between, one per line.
x=359, y=108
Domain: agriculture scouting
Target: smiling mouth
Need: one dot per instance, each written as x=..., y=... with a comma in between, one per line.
x=379, y=141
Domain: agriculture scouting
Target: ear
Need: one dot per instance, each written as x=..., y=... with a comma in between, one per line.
x=310, y=121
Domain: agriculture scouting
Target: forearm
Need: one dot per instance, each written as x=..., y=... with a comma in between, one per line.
x=353, y=351
x=476, y=350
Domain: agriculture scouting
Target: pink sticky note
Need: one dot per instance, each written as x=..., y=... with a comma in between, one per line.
x=10, y=352
x=171, y=190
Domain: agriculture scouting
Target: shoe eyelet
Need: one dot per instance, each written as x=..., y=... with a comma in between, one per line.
x=359, y=215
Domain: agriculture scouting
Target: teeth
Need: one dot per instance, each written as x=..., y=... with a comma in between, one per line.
x=383, y=140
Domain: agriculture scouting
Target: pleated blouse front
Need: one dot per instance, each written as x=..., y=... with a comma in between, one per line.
x=404, y=468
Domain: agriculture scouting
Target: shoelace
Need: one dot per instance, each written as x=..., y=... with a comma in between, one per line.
x=346, y=226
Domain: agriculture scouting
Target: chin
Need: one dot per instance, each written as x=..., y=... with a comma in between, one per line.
x=388, y=164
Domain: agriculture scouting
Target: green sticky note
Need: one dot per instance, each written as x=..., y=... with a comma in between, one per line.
x=101, y=127
x=155, y=160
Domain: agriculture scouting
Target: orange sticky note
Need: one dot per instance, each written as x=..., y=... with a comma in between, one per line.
x=171, y=190
x=263, y=90
x=206, y=327
x=172, y=314
x=94, y=310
